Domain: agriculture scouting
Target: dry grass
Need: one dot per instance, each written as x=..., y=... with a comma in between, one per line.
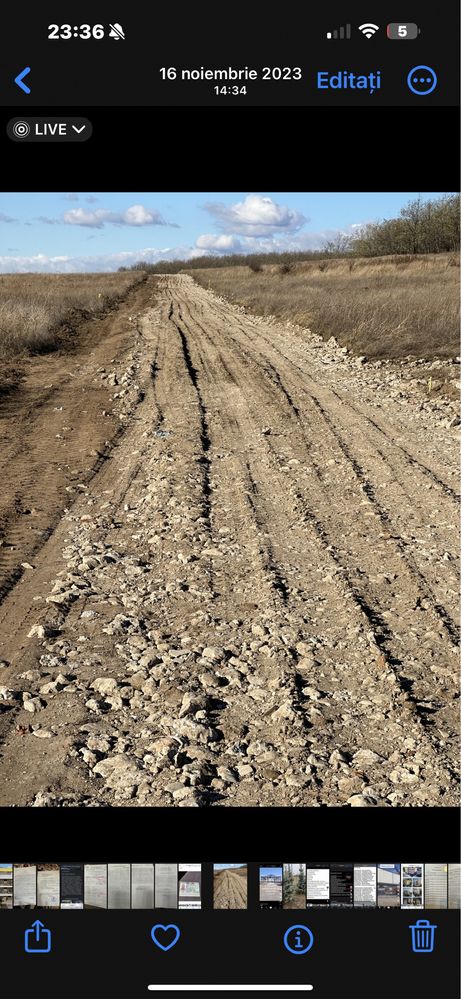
x=381, y=306
x=33, y=307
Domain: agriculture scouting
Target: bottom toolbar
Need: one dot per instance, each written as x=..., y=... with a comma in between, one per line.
x=326, y=953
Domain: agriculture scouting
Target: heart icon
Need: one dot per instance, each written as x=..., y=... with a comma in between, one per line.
x=159, y=931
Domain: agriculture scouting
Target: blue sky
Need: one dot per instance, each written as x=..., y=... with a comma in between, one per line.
x=266, y=872
x=102, y=231
x=225, y=867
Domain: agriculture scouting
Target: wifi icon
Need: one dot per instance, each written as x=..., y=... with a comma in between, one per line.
x=368, y=29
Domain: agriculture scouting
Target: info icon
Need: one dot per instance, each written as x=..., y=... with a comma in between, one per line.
x=298, y=939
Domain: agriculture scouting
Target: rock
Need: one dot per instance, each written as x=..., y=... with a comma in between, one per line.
x=210, y=652
x=181, y=793
x=359, y=801
x=312, y=693
x=43, y=733
x=226, y=775
x=402, y=776
x=93, y=705
x=244, y=769
x=68, y=596
x=7, y=695
x=304, y=649
x=54, y=685
x=163, y=746
x=43, y=799
x=104, y=685
x=100, y=743
x=284, y=713
x=365, y=757
x=148, y=659
x=32, y=704
x=119, y=771
x=37, y=630
x=338, y=756
x=115, y=701
x=120, y=625
x=149, y=687
x=191, y=703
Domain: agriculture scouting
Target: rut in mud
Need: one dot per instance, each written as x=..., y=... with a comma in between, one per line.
x=252, y=597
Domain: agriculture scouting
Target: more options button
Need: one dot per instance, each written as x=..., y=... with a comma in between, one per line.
x=49, y=129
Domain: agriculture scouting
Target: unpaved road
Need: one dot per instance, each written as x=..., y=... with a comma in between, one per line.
x=230, y=889
x=248, y=592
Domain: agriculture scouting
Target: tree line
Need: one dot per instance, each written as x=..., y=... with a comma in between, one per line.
x=421, y=227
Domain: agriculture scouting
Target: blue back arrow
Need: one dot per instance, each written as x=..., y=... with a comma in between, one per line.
x=19, y=80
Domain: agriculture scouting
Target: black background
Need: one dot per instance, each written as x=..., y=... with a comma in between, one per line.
x=140, y=835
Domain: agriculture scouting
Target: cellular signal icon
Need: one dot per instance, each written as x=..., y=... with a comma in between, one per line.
x=340, y=32
x=116, y=31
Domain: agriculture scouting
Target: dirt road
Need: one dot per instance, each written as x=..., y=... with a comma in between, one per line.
x=230, y=889
x=248, y=594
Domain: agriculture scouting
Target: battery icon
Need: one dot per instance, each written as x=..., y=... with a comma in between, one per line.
x=402, y=31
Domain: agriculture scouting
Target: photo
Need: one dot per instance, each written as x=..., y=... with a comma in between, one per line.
x=6, y=886
x=189, y=886
x=454, y=886
x=230, y=886
x=294, y=886
x=25, y=886
x=95, y=886
x=435, y=886
x=228, y=514
x=48, y=886
x=271, y=886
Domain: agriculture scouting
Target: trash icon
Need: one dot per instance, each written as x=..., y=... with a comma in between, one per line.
x=422, y=937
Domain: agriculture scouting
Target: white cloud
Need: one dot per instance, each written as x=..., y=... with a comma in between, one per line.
x=255, y=216
x=41, y=263
x=278, y=243
x=222, y=243
x=136, y=215
x=205, y=245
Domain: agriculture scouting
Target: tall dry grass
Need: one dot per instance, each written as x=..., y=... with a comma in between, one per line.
x=34, y=306
x=382, y=307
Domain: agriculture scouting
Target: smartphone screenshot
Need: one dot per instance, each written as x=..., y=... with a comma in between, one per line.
x=229, y=534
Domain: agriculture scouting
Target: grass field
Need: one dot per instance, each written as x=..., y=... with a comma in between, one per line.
x=34, y=306
x=382, y=307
